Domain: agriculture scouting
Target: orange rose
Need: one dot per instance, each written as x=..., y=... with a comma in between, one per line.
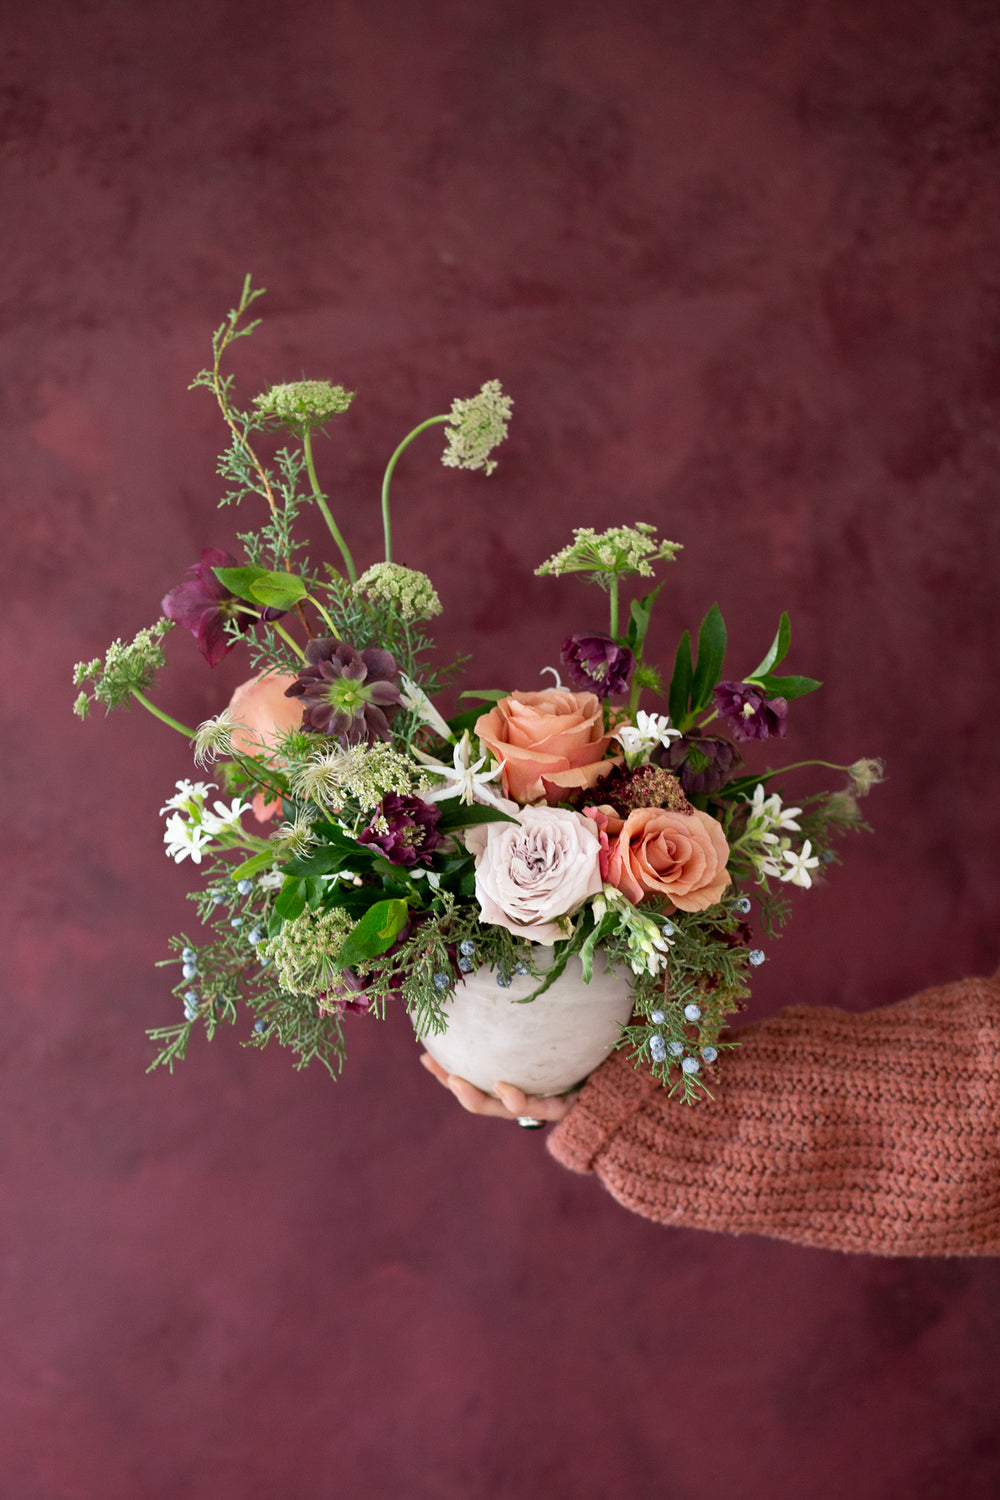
x=261, y=706
x=680, y=857
x=551, y=743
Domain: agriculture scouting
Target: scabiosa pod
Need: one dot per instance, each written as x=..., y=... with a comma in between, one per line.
x=410, y=593
x=303, y=404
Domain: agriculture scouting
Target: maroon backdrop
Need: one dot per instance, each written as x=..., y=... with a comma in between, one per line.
x=737, y=265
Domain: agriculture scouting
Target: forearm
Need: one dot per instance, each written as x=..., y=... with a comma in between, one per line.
x=869, y=1132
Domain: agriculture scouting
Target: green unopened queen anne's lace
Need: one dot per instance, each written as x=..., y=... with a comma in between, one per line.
x=411, y=594
x=304, y=403
x=475, y=427
x=304, y=950
x=619, y=550
x=127, y=668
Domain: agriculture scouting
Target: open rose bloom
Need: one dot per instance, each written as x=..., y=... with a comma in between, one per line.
x=534, y=874
x=550, y=744
x=679, y=857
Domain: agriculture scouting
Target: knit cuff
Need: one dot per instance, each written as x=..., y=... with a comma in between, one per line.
x=609, y=1098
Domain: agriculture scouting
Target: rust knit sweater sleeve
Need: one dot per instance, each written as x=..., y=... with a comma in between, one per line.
x=875, y=1132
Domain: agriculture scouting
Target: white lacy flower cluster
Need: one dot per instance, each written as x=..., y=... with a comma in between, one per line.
x=191, y=826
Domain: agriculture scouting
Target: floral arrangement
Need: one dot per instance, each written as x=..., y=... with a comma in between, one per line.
x=356, y=846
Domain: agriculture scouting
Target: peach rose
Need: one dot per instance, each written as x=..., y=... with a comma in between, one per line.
x=680, y=857
x=261, y=706
x=551, y=743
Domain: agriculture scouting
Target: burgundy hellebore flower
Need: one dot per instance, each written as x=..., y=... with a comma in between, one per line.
x=347, y=693
x=751, y=715
x=405, y=829
x=702, y=763
x=597, y=664
x=204, y=606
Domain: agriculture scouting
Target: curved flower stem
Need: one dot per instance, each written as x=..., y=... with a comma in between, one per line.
x=320, y=499
x=321, y=611
x=387, y=477
x=827, y=765
x=159, y=714
x=289, y=640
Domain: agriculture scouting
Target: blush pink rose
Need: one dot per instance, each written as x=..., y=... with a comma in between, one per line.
x=680, y=857
x=265, y=716
x=551, y=743
x=533, y=874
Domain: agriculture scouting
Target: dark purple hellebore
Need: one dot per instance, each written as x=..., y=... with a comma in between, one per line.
x=347, y=693
x=204, y=606
x=597, y=664
x=750, y=714
x=404, y=829
x=702, y=763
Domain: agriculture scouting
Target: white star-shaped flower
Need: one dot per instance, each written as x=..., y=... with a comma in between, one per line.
x=187, y=791
x=648, y=730
x=415, y=699
x=464, y=777
x=800, y=865
x=183, y=838
x=223, y=817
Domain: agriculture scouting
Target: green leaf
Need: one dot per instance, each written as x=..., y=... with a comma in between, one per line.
x=457, y=814
x=640, y=611
x=239, y=580
x=711, y=655
x=278, y=590
x=291, y=901
x=253, y=866
x=375, y=933
x=491, y=695
x=680, y=682
x=778, y=649
x=602, y=930
x=259, y=586
x=788, y=687
x=459, y=723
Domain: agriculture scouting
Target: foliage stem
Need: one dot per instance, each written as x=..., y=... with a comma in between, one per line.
x=320, y=499
x=158, y=713
x=387, y=478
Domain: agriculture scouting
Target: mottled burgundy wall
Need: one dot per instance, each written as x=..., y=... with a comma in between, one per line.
x=737, y=265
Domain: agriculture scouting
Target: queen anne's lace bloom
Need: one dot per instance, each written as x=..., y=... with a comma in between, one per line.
x=477, y=426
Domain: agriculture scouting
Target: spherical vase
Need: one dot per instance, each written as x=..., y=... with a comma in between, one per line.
x=545, y=1046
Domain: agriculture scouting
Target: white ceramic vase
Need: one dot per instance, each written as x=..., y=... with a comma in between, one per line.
x=546, y=1046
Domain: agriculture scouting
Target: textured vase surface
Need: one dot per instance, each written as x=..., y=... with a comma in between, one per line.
x=544, y=1047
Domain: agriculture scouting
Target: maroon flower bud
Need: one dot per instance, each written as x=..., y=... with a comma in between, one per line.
x=404, y=829
x=597, y=664
x=750, y=714
x=702, y=763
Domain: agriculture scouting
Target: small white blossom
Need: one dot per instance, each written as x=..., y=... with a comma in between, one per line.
x=768, y=813
x=638, y=739
x=464, y=777
x=416, y=700
x=800, y=865
x=223, y=819
x=188, y=794
x=184, y=838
